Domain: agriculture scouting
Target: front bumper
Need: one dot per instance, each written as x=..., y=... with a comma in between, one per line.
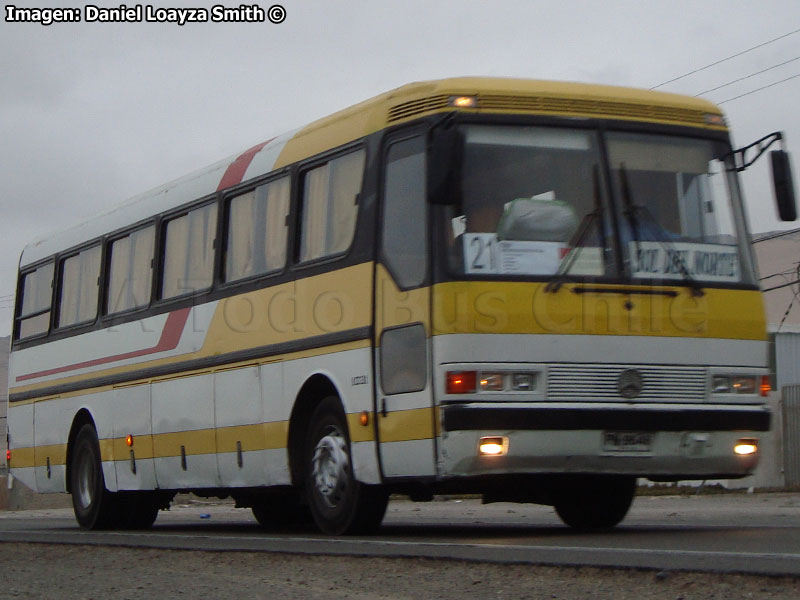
x=687, y=441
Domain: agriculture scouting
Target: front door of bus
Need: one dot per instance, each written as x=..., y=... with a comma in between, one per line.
x=403, y=388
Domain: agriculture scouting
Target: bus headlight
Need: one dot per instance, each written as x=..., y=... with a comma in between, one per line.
x=523, y=382
x=735, y=384
x=492, y=382
x=744, y=385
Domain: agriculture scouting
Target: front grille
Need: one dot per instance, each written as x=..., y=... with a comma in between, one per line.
x=599, y=383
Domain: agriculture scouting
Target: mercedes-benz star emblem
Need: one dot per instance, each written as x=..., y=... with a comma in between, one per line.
x=630, y=383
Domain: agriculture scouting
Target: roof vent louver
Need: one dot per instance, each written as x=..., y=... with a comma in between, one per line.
x=582, y=107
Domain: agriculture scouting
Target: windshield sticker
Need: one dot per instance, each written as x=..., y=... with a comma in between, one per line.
x=483, y=253
x=706, y=262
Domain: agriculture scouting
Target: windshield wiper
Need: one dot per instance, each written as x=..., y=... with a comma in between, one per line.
x=633, y=212
x=579, y=237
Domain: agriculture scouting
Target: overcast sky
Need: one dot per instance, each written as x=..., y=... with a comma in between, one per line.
x=93, y=113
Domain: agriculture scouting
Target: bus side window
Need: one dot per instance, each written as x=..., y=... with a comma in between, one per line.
x=80, y=275
x=257, y=231
x=329, y=206
x=131, y=271
x=37, y=292
x=404, y=246
x=189, y=252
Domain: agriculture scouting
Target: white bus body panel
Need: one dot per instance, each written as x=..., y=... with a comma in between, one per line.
x=131, y=407
x=20, y=432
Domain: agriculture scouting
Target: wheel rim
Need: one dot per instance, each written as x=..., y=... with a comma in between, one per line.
x=86, y=479
x=330, y=468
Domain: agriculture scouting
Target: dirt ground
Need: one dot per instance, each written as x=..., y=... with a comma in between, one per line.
x=49, y=571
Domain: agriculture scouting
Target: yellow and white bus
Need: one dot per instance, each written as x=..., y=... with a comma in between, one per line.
x=529, y=290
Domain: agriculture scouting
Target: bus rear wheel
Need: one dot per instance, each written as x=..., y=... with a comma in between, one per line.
x=94, y=506
x=595, y=502
x=338, y=502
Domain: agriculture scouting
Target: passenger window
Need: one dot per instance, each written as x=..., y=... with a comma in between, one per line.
x=189, y=252
x=257, y=230
x=80, y=275
x=329, y=206
x=131, y=271
x=37, y=292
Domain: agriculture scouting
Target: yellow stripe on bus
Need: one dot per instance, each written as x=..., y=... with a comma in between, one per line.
x=529, y=308
x=407, y=425
x=404, y=425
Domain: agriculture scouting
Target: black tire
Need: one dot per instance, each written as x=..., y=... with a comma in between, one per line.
x=94, y=506
x=282, y=512
x=338, y=503
x=137, y=510
x=595, y=502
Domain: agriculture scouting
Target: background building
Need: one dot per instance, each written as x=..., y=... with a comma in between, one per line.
x=778, y=256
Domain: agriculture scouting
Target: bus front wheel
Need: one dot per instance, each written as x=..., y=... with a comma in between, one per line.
x=338, y=502
x=595, y=502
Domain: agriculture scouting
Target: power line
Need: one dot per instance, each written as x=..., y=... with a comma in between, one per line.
x=727, y=58
x=719, y=87
x=759, y=89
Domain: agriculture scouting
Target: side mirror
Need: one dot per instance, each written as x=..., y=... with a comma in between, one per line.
x=783, y=185
x=445, y=146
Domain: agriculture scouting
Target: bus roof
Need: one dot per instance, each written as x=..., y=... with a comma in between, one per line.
x=492, y=95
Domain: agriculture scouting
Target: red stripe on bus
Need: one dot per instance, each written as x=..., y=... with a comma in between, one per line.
x=170, y=336
x=237, y=168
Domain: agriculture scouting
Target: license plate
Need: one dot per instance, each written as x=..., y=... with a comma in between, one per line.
x=627, y=441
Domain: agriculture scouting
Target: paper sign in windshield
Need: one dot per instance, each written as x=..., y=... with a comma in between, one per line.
x=705, y=262
x=484, y=253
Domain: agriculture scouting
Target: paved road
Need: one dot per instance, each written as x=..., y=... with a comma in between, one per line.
x=748, y=533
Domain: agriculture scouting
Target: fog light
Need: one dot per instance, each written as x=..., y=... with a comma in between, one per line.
x=746, y=447
x=493, y=446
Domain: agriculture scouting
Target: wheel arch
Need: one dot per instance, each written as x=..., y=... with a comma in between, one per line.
x=316, y=388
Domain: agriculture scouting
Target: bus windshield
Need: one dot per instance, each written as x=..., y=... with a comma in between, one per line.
x=677, y=205
x=528, y=194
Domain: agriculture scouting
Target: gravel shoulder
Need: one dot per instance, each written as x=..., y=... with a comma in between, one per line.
x=45, y=571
